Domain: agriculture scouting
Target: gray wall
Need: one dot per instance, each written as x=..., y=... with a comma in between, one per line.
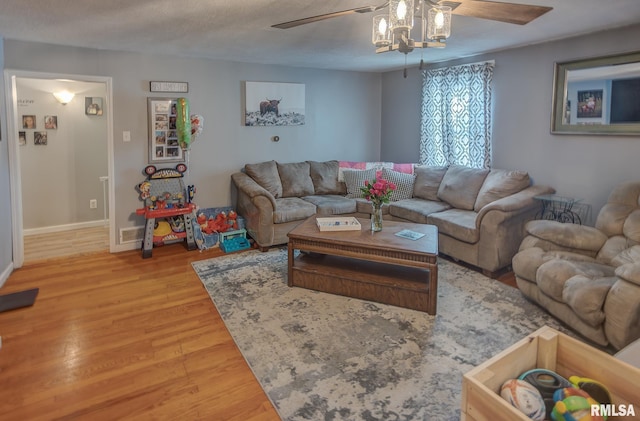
x=6, y=254
x=59, y=179
x=581, y=166
x=342, y=115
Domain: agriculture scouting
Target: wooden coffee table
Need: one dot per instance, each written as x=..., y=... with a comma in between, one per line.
x=379, y=266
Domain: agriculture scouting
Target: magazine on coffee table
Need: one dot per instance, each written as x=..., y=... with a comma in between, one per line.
x=411, y=235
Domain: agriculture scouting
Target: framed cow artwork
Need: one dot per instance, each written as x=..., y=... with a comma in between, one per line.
x=273, y=104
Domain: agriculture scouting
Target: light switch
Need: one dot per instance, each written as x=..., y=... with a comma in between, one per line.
x=126, y=136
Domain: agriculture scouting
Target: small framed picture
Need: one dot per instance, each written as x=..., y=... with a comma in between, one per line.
x=93, y=105
x=39, y=138
x=22, y=138
x=51, y=122
x=28, y=122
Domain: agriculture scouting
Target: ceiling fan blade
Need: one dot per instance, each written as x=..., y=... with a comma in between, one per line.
x=520, y=14
x=304, y=21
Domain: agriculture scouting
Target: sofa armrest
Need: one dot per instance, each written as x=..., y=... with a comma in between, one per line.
x=622, y=307
x=517, y=201
x=249, y=187
x=570, y=237
x=630, y=272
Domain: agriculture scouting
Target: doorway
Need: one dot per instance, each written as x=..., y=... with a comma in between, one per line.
x=61, y=162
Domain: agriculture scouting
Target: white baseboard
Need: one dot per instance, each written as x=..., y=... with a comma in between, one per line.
x=5, y=274
x=67, y=227
x=136, y=245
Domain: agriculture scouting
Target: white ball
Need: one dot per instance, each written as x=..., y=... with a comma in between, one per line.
x=525, y=397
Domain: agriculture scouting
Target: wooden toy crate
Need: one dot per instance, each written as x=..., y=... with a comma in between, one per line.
x=552, y=350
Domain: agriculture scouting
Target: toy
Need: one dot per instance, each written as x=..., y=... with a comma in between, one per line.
x=144, y=188
x=573, y=404
x=161, y=229
x=547, y=382
x=163, y=193
x=526, y=398
x=232, y=220
x=595, y=389
x=222, y=222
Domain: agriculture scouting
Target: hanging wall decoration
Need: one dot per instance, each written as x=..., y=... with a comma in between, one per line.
x=163, y=130
x=93, y=105
x=274, y=104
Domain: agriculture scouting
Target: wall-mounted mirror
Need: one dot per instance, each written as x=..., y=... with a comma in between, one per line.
x=597, y=96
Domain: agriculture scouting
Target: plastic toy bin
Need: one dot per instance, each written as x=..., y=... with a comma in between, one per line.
x=206, y=241
x=552, y=350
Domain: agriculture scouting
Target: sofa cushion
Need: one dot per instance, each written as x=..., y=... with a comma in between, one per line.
x=552, y=275
x=354, y=179
x=460, y=186
x=325, y=177
x=629, y=255
x=404, y=184
x=611, y=218
x=296, y=179
x=331, y=204
x=416, y=210
x=292, y=209
x=499, y=184
x=266, y=175
x=457, y=223
x=631, y=227
x=586, y=297
x=611, y=248
x=427, y=182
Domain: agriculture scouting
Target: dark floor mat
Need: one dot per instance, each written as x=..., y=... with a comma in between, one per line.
x=18, y=299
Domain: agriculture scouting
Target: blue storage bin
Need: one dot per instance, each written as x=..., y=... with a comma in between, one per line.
x=206, y=241
x=236, y=240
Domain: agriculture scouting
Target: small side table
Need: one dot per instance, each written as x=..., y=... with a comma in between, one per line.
x=558, y=208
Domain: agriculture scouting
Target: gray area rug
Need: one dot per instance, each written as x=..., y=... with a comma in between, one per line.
x=326, y=357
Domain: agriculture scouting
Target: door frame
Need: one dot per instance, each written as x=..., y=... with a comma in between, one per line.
x=10, y=76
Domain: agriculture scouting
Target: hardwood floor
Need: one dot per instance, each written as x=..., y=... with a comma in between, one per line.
x=115, y=336
x=65, y=243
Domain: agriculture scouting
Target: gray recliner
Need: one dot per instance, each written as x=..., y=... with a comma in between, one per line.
x=588, y=277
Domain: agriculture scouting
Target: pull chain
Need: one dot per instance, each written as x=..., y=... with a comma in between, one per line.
x=405, y=66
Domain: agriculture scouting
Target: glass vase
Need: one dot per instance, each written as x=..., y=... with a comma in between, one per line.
x=376, y=218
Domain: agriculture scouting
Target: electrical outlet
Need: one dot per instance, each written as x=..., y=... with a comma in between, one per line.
x=93, y=204
x=126, y=136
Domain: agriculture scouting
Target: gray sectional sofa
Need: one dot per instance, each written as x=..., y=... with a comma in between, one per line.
x=480, y=213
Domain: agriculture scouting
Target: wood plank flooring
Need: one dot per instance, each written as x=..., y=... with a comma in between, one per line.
x=65, y=243
x=115, y=336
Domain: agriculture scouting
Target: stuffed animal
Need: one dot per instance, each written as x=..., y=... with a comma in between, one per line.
x=232, y=219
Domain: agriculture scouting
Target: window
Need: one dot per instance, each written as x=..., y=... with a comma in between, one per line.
x=456, y=116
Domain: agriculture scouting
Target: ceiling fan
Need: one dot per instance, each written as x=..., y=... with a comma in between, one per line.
x=515, y=13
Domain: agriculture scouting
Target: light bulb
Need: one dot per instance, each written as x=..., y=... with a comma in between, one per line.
x=401, y=11
x=382, y=26
x=439, y=20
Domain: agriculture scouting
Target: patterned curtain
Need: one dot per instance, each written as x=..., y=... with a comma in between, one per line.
x=456, y=116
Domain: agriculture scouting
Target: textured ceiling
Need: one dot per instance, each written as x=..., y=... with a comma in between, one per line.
x=241, y=30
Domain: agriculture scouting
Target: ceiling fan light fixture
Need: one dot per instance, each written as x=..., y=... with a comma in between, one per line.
x=401, y=15
x=381, y=36
x=436, y=25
